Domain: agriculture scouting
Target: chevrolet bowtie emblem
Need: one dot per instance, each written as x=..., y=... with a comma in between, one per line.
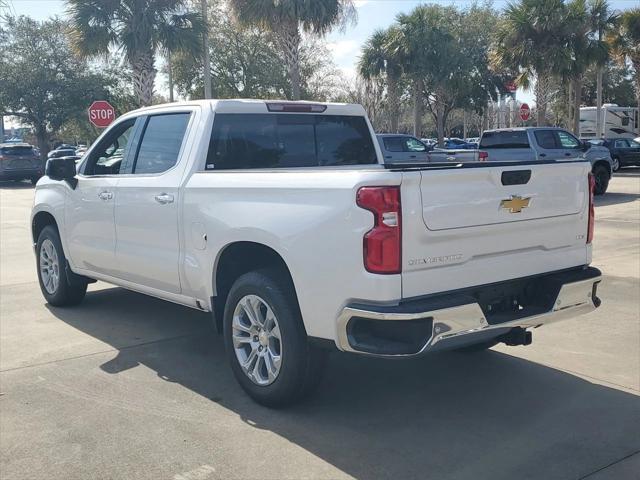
x=515, y=204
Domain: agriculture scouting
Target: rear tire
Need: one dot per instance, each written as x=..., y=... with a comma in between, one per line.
x=59, y=287
x=34, y=180
x=263, y=330
x=602, y=177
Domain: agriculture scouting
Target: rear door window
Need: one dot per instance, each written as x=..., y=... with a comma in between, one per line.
x=247, y=141
x=393, y=144
x=546, y=139
x=506, y=139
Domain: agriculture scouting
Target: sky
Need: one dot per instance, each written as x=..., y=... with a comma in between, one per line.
x=345, y=46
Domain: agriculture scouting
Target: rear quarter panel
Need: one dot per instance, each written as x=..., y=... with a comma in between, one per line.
x=308, y=216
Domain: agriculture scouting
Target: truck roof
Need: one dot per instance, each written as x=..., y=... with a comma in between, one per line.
x=394, y=135
x=521, y=129
x=245, y=105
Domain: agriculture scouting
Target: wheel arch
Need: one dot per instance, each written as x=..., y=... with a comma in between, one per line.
x=236, y=259
x=41, y=220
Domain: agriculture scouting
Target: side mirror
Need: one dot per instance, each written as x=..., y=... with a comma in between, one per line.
x=586, y=145
x=63, y=168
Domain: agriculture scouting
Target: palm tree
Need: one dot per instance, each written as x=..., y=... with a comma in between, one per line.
x=379, y=61
x=585, y=51
x=625, y=43
x=603, y=19
x=428, y=45
x=532, y=39
x=140, y=29
x=287, y=18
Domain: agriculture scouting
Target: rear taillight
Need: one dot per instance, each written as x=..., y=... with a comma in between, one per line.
x=592, y=211
x=382, y=244
x=482, y=156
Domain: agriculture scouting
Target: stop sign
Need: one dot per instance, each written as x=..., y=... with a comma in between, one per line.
x=101, y=113
x=525, y=111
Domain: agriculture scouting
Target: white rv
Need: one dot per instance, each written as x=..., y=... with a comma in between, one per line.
x=617, y=122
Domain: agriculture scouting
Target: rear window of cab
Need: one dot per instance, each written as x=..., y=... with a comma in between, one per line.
x=271, y=140
x=508, y=139
x=21, y=150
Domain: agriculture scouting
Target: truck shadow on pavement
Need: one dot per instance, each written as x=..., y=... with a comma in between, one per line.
x=628, y=172
x=614, y=198
x=485, y=415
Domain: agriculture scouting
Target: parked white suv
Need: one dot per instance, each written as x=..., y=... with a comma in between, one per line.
x=281, y=219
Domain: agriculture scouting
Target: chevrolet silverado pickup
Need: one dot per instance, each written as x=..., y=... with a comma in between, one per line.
x=282, y=219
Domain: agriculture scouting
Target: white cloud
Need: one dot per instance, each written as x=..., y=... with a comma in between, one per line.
x=349, y=73
x=343, y=49
x=361, y=3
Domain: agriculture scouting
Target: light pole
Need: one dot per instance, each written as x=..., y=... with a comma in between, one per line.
x=205, y=59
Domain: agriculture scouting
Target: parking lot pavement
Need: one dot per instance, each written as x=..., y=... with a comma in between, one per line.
x=126, y=386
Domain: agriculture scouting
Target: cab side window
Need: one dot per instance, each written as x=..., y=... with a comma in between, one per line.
x=393, y=144
x=108, y=158
x=161, y=142
x=546, y=139
x=414, y=145
x=567, y=141
x=621, y=144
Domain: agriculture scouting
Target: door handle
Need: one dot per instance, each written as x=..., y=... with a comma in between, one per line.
x=164, y=198
x=543, y=154
x=567, y=154
x=412, y=156
x=105, y=195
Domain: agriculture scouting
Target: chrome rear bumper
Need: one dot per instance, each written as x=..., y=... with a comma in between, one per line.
x=466, y=321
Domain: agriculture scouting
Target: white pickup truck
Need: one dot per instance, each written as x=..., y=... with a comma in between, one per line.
x=282, y=220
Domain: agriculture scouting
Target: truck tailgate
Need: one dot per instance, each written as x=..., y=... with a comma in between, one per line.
x=478, y=225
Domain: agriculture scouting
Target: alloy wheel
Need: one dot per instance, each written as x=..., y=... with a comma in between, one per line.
x=49, y=266
x=256, y=340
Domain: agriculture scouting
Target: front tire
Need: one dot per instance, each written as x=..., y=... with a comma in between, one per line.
x=616, y=164
x=601, y=176
x=266, y=342
x=58, y=287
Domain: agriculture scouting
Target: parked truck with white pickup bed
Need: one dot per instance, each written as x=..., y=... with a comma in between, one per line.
x=282, y=219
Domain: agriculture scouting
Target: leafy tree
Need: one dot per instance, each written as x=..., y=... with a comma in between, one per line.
x=532, y=39
x=625, y=42
x=617, y=83
x=471, y=81
x=246, y=63
x=43, y=84
x=140, y=28
x=583, y=52
x=380, y=61
x=444, y=54
x=286, y=19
